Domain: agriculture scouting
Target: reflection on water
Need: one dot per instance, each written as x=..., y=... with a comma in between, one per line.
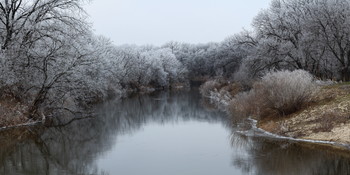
x=281, y=157
x=164, y=133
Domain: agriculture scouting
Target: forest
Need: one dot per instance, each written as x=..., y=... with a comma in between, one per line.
x=52, y=62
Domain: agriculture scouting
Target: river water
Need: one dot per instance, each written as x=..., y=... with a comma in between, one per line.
x=167, y=133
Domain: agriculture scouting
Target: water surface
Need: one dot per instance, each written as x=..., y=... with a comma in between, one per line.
x=173, y=133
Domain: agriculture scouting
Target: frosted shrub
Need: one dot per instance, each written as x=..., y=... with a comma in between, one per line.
x=282, y=93
x=209, y=86
x=286, y=91
x=220, y=98
x=243, y=104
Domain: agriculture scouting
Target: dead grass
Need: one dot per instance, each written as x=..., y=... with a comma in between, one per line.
x=329, y=120
x=326, y=118
x=232, y=88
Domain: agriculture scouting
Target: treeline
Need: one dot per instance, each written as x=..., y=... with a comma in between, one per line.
x=312, y=35
x=292, y=44
x=208, y=60
x=51, y=61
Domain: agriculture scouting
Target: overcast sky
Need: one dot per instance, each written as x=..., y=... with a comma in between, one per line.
x=159, y=21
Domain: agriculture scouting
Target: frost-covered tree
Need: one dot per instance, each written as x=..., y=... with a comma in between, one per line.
x=22, y=22
x=330, y=19
x=135, y=67
x=284, y=36
x=164, y=68
x=45, y=48
x=297, y=34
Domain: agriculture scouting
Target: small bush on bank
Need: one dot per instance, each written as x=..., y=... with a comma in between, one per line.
x=220, y=98
x=282, y=93
x=220, y=91
x=244, y=104
x=287, y=91
x=221, y=86
x=232, y=88
x=209, y=87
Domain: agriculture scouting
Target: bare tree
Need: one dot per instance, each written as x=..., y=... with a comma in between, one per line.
x=23, y=21
x=45, y=45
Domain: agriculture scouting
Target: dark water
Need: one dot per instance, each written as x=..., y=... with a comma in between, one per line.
x=161, y=134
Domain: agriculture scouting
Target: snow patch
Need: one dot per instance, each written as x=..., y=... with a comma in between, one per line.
x=269, y=134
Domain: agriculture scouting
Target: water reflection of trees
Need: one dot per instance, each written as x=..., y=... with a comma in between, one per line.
x=73, y=149
x=68, y=150
x=161, y=108
x=274, y=157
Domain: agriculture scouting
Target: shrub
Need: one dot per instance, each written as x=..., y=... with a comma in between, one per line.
x=232, y=88
x=282, y=93
x=287, y=91
x=220, y=98
x=243, y=104
x=208, y=87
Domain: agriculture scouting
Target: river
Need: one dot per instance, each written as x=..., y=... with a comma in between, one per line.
x=166, y=133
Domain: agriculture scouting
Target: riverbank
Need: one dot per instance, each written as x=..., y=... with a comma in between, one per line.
x=327, y=118
x=14, y=112
x=324, y=119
